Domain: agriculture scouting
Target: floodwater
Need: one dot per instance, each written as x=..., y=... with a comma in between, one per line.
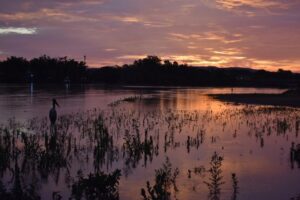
x=145, y=143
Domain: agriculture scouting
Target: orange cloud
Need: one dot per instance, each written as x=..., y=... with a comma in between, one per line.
x=220, y=36
x=251, y=8
x=232, y=4
x=132, y=57
x=128, y=19
x=47, y=14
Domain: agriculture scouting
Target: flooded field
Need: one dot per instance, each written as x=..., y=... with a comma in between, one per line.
x=145, y=143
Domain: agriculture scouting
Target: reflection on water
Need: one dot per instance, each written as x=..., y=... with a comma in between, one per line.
x=33, y=100
x=157, y=144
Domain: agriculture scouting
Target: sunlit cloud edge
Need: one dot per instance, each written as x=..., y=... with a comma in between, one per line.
x=17, y=30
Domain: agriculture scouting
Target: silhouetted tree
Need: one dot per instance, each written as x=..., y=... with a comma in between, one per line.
x=42, y=69
x=147, y=71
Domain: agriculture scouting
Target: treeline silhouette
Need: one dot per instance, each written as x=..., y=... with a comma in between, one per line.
x=153, y=71
x=148, y=71
x=41, y=70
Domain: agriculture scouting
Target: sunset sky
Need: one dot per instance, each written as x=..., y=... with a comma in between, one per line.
x=246, y=33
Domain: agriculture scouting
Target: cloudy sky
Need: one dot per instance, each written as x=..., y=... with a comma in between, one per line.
x=246, y=33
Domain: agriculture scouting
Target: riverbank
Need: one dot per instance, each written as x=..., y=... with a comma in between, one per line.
x=284, y=99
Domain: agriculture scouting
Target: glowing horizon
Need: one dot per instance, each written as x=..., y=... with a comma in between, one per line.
x=260, y=34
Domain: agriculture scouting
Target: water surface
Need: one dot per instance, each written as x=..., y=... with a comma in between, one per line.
x=138, y=130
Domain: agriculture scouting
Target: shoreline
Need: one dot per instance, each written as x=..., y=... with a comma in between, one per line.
x=260, y=99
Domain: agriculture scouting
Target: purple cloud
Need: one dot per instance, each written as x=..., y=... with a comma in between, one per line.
x=256, y=33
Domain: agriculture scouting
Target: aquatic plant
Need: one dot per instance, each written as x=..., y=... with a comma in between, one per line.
x=282, y=126
x=215, y=179
x=104, y=143
x=235, y=188
x=165, y=177
x=97, y=186
x=19, y=190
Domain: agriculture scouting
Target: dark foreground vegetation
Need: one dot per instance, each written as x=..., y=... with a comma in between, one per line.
x=148, y=71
